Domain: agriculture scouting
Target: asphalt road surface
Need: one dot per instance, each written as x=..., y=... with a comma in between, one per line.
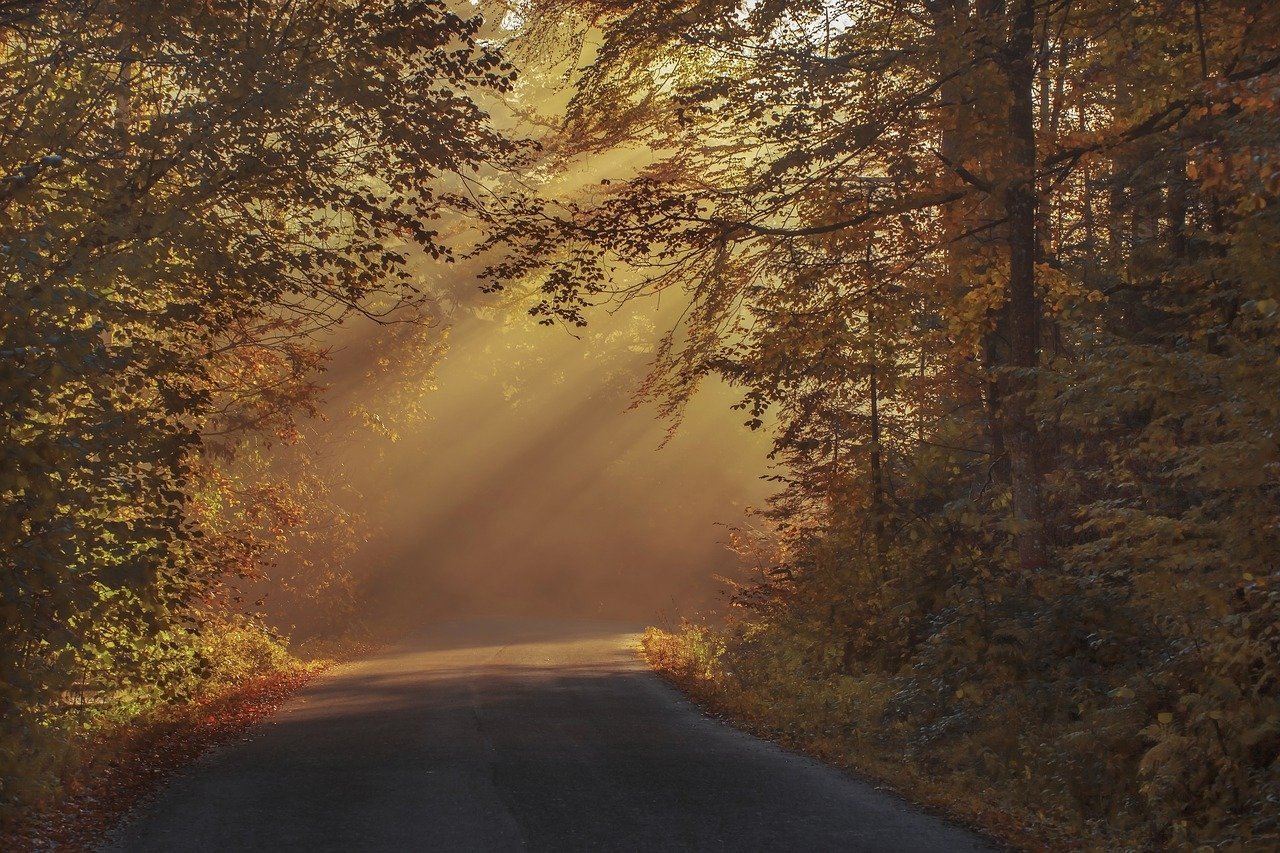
x=529, y=736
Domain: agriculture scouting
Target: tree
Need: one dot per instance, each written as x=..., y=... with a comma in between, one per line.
x=1062, y=212
x=190, y=187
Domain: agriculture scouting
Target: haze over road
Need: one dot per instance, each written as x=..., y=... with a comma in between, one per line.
x=516, y=736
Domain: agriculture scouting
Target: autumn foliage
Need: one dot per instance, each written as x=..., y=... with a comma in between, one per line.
x=1002, y=279
x=191, y=192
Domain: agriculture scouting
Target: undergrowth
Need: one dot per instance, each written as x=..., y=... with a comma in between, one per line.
x=1078, y=778
x=46, y=750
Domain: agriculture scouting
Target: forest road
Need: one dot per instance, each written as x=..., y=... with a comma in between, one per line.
x=516, y=736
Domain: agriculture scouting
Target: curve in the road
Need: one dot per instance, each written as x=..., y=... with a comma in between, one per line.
x=501, y=736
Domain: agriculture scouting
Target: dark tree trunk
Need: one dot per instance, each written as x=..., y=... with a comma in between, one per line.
x=1018, y=332
x=877, y=470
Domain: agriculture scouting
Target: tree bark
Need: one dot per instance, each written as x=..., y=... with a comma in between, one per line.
x=1017, y=329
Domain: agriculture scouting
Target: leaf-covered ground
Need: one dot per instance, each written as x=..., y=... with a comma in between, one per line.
x=134, y=761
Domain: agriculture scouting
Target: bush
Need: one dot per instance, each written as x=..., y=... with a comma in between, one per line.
x=41, y=747
x=238, y=651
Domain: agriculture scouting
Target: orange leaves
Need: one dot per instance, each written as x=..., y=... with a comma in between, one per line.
x=1253, y=172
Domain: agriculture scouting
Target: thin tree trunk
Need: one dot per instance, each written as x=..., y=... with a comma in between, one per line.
x=877, y=470
x=124, y=88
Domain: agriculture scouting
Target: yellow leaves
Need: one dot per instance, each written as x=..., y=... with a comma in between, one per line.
x=1249, y=203
x=1266, y=307
x=1063, y=291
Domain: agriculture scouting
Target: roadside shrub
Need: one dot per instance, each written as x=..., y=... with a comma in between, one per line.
x=240, y=650
x=42, y=745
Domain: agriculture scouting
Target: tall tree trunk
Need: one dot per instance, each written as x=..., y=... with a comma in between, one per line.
x=1019, y=319
x=957, y=144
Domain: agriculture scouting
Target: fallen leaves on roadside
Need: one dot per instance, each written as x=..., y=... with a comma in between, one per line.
x=134, y=761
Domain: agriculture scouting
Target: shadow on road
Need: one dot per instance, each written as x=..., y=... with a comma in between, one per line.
x=516, y=736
